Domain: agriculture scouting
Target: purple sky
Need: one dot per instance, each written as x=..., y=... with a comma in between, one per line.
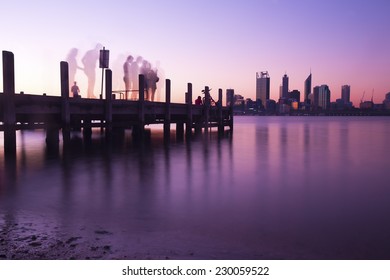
x=221, y=43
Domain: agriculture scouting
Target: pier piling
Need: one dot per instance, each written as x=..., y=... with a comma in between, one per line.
x=108, y=101
x=65, y=112
x=167, y=119
x=9, y=113
x=138, y=129
x=189, y=110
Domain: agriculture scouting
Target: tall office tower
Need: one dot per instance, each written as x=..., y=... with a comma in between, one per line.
x=285, y=87
x=307, y=88
x=324, y=97
x=314, y=98
x=346, y=93
x=280, y=91
x=229, y=96
x=262, y=87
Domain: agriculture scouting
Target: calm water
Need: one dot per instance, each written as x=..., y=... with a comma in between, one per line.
x=279, y=188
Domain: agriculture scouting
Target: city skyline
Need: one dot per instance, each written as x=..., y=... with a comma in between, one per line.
x=216, y=44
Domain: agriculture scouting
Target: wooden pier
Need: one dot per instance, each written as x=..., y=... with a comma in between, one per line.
x=55, y=113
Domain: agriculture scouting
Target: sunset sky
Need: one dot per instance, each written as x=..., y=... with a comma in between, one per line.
x=220, y=43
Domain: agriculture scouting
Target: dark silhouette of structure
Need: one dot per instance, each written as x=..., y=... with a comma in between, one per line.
x=55, y=113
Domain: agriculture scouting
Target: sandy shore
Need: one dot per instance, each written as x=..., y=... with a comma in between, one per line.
x=27, y=241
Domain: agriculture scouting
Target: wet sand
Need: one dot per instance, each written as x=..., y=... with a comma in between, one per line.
x=46, y=240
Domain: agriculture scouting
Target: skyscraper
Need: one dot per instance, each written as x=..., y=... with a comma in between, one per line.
x=307, y=88
x=285, y=87
x=346, y=93
x=229, y=96
x=324, y=97
x=263, y=87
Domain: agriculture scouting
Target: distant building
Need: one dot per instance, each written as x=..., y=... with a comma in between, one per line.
x=386, y=102
x=346, y=93
x=324, y=97
x=263, y=87
x=307, y=88
x=280, y=91
x=229, y=95
x=295, y=95
x=314, y=98
x=285, y=86
x=366, y=105
x=271, y=107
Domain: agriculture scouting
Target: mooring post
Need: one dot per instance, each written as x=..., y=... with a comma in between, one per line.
x=9, y=117
x=220, y=119
x=206, y=109
x=139, y=128
x=108, y=101
x=189, y=110
x=167, y=119
x=65, y=111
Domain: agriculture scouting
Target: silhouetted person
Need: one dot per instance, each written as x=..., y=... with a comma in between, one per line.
x=161, y=75
x=89, y=61
x=75, y=90
x=144, y=69
x=134, y=72
x=127, y=74
x=73, y=66
x=198, y=101
x=152, y=79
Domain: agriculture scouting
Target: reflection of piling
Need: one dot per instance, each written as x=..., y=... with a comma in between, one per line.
x=231, y=98
x=9, y=117
x=167, y=119
x=206, y=109
x=219, y=112
x=189, y=110
x=180, y=130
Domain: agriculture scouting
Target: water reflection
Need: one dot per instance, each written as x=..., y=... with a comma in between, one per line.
x=280, y=188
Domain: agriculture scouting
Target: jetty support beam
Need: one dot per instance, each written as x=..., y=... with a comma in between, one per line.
x=167, y=118
x=108, y=101
x=189, y=110
x=138, y=129
x=9, y=117
x=65, y=111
